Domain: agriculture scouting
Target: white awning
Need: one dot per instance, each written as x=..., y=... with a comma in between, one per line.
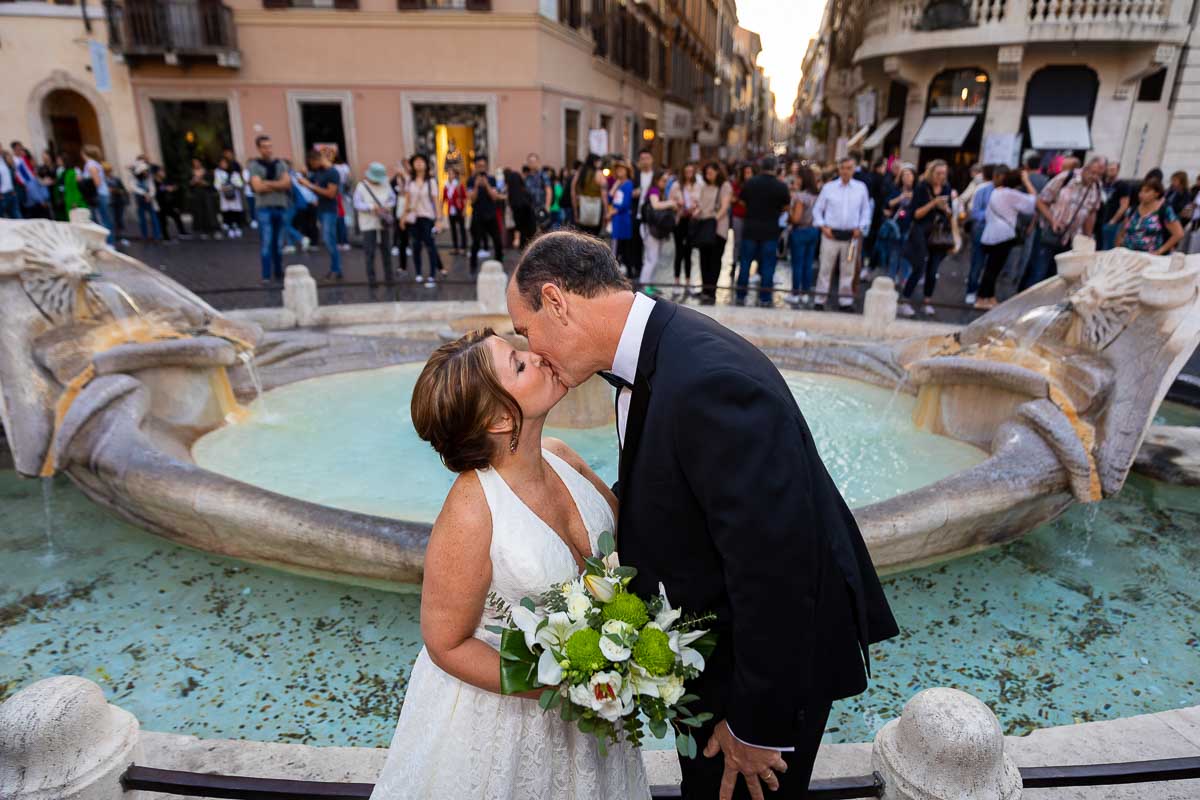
x=855, y=140
x=944, y=130
x=1060, y=133
x=881, y=133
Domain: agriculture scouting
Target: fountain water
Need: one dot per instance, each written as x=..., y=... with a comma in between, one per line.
x=247, y=358
x=47, y=510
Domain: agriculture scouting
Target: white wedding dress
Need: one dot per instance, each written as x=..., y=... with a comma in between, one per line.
x=457, y=742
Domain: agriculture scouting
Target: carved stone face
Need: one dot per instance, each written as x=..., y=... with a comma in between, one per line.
x=1107, y=299
x=54, y=263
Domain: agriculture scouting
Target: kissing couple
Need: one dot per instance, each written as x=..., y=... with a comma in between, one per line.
x=721, y=499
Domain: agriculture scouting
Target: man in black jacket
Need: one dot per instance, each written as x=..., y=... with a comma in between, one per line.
x=725, y=501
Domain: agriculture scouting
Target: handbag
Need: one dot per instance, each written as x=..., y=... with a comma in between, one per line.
x=941, y=235
x=703, y=232
x=590, y=210
x=660, y=221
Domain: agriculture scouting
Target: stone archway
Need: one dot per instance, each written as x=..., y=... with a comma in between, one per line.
x=69, y=92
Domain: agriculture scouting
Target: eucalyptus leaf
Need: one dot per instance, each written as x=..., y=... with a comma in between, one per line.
x=626, y=572
x=658, y=727
x=687, y=698
x=496, y=629
x=704, y=717
x=527, y=603
x=594, y=565
x=681, y=745
x=607, y=543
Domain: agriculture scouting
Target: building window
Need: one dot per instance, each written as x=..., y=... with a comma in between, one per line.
x=451, y=5
x=1151, y=88
x=959, y=91
x=346, y=5
x=321, y=124
x=570, y=136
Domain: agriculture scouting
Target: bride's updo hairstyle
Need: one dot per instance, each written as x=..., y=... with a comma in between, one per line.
x=457, y=398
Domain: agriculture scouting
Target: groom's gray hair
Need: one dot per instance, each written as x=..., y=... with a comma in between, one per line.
x=574, y=262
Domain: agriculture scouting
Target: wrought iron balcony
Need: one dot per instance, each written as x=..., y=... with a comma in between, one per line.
x=173, y=30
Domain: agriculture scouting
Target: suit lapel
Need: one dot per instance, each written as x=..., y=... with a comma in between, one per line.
x=647, y=357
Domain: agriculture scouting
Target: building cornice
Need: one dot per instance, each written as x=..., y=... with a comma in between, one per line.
x=418, y=20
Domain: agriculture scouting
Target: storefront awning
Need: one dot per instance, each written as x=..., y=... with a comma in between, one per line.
x=854, y=141
x=1060, y=133
x=949, y=130
x=881, y=133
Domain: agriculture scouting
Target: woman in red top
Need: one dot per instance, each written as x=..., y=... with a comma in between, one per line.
x=738, y=208
x=454, y=198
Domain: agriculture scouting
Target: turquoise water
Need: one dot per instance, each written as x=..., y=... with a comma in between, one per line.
x=1093, y=616
x=1177, y=414
x=347, y=441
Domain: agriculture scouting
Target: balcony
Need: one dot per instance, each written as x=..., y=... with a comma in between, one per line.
x=914, y=25
x=173, y=30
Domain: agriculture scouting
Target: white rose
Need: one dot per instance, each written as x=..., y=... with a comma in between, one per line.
x=671, y=689
x=578, y=604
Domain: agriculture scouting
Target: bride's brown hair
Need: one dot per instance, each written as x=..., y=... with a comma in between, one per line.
x=457, y=398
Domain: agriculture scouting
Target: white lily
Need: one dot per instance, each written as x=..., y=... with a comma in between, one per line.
x=679, y=646
x=606, y=693
x=643, y=682
x=527, y=621
x=611, y=561
x=600, y=588
x=553, y=637
x=667, y=617
x=550, y=672
x=612, y=651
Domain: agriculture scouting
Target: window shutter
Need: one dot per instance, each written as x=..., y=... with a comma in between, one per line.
x=409, y=5
x=275, y=3
x=479, y=5
x=346, y=5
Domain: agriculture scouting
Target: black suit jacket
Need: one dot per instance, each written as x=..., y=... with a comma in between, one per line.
x=725, y=500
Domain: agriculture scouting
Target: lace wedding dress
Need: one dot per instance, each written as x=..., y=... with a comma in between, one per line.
x=455, y=741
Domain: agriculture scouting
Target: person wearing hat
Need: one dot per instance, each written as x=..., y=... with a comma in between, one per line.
x=375, y=203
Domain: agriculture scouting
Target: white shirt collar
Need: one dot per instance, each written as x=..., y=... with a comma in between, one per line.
x=629, y=349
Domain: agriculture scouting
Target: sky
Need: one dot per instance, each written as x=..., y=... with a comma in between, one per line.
x=785, y=27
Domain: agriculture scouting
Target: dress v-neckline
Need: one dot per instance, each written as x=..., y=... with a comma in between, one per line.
x=562, y=540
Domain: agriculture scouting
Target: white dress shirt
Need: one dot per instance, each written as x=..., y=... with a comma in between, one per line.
x=625, y=364
x=6, y=180
x=629, y=349
x=843, y=206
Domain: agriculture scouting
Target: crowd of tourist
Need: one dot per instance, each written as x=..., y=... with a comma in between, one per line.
x=835, y=224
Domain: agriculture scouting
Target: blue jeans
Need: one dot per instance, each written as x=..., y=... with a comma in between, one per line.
x=102, y=215
x=978, y=259
x=765, y=252
x=803, y=242
x=144, y=210
x=1108, y=236
x=328, y=221
x=291, y=234
x=1041, y=263
x=422, y=236
x=271, y=222
x=9, y=207
x=342, y=237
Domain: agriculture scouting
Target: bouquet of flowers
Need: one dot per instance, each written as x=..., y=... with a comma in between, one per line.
x=605, y=656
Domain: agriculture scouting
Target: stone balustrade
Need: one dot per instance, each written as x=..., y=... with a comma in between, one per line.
x=60, y=740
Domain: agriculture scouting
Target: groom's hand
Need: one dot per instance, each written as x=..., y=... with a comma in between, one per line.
x=757, y=765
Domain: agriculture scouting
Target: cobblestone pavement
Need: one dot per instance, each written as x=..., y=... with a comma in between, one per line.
x=226, y=273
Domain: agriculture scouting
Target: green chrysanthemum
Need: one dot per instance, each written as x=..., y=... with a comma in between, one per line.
x=653, y=652
x=627, y=608
x=583, y=650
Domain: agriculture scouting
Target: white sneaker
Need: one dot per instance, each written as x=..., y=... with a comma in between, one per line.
x=254, y=224
x=288, y=249
x=482, y=253
x=124, y=242
x=970, y=299
x=431, y=284
x=420, y=279
x=929, y=310
x=395, y=251
x=343, y=247
x=408, y=251
x=305, y=242
x=755, y=280
x=864, y=273
x=803, y=299
x=791, y=299
x=906, y=310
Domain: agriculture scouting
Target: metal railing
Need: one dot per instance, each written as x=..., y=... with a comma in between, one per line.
x=185, y=27
x=194, y=784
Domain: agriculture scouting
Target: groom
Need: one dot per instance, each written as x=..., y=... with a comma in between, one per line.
x=724, y=499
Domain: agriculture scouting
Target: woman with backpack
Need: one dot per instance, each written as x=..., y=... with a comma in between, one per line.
x=1013, y=201
x=1152, y=225
x=933, y=235
x=230, y=190
x=658, y=222
x=588, y=191
x=422, y=213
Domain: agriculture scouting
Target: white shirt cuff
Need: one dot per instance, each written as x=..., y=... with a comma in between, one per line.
x=759, y=746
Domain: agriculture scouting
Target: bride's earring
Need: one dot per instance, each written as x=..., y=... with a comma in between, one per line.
x=512, y=443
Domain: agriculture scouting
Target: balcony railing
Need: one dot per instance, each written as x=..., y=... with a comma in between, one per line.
x=174, y=28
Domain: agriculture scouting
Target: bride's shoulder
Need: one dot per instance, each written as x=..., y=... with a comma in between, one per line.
x=465, y=513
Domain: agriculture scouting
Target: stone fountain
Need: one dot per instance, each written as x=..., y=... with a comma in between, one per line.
x=109, y=372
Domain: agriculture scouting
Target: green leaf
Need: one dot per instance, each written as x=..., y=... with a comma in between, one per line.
x=607, y=543
x=659, y=728
x=626, y=572
x=681, y=744
x=546, y=700
x=687, y=698
x=527, y=603
x=496, y=629
x=704, y=717
x=594, y=565
x=602, y=747
x=518, y=666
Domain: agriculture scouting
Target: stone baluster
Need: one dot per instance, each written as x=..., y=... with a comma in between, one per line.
x=879, y=306
x=60, y=739
x=491, y=287
x=945, y=744
x=300, y=294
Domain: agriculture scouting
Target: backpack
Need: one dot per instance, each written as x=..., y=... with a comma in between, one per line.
x=87, y=188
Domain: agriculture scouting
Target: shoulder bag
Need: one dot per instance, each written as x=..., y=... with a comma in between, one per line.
x=703, y=232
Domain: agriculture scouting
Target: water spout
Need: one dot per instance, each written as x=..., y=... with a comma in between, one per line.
x=1034, y=323
x=49, y=556
x=247, y=358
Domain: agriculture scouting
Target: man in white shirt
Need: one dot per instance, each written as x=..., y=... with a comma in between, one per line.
x=843, y=214
x=8, y=193
x=645, y=177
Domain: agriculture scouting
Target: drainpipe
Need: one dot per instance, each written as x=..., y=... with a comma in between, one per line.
x=87, y=23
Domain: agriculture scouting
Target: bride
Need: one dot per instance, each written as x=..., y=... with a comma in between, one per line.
x=523, y=514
